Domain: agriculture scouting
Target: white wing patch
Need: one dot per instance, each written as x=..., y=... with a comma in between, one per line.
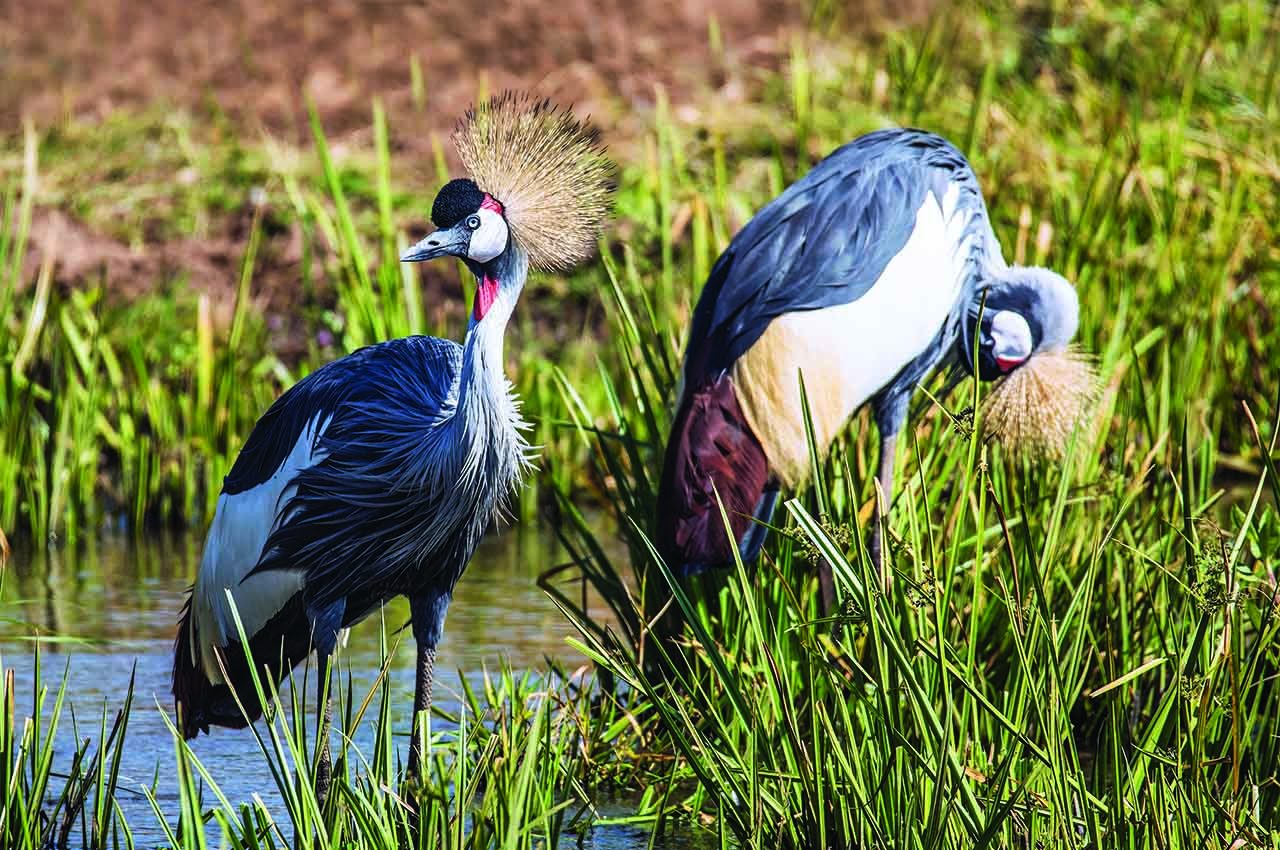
x=241, y=525
x=849, y=352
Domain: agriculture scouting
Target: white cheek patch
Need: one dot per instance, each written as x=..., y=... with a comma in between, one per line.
x=1010, y=336
x=490, y=239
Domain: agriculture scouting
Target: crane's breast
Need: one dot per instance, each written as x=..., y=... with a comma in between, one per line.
x=849, y=352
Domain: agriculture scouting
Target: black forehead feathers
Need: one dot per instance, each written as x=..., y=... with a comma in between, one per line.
x=457, y=200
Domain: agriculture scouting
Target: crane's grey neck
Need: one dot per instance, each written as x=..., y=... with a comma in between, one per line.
x=486, y=453
x=482, y=351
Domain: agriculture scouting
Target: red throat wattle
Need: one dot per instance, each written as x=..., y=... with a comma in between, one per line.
x=487, y=291
x=486, y=294
x=1007, y=364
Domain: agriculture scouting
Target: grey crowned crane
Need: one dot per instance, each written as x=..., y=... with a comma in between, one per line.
x=376, y=475
x=861, y=277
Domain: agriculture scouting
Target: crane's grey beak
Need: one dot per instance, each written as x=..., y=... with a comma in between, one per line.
x=451, y=241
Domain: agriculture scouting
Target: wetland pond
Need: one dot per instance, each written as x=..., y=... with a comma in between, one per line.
x=113, y=605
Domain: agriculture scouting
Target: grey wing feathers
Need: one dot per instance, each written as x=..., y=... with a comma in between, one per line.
x=822, y=242
x=356, y=516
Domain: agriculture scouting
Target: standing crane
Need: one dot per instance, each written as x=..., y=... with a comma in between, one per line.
x=858, y=280
x=376, y=475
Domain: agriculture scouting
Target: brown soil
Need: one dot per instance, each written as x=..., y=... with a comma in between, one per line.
x=209, y=264
x=256, y=62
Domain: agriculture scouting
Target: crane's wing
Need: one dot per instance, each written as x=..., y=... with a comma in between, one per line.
x=385, y=391
x=430, y=363
x=356, y=418
x=374, y=502
x=824, y=241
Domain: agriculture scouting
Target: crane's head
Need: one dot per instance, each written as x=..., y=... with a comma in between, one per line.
x=540, y=188
x=1019, y=330
x=1029, y=310
x=470, y=224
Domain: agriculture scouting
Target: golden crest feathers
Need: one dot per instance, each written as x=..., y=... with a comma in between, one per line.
x=1034, y=410
x=547, y=169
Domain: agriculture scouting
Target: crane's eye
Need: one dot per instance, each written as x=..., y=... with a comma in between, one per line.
x=473, y=221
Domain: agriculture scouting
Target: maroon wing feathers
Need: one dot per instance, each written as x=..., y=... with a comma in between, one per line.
x=711, y=451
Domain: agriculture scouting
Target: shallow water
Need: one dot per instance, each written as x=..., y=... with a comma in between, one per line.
x=116, y=605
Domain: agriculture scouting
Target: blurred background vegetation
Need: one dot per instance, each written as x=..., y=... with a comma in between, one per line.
x=202, y=205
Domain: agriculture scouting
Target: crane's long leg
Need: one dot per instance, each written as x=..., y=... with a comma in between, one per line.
x=428, y=610
x=754, y=537
x=421, y=706
x=326, y=623
x=324, y=721
x=826, y=586
x=884, y=498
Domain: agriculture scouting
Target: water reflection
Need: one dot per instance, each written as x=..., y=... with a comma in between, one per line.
x=116, y=590
x=111, y=608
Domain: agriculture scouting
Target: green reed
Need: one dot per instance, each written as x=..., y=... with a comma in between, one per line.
x=510, y=768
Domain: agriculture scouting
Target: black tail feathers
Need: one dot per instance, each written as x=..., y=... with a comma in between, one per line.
x=200, y=703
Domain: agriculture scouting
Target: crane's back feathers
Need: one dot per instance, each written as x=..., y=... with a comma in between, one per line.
x=827, y=239
x=850, y=277
x=547, y=169
x=847, y=352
